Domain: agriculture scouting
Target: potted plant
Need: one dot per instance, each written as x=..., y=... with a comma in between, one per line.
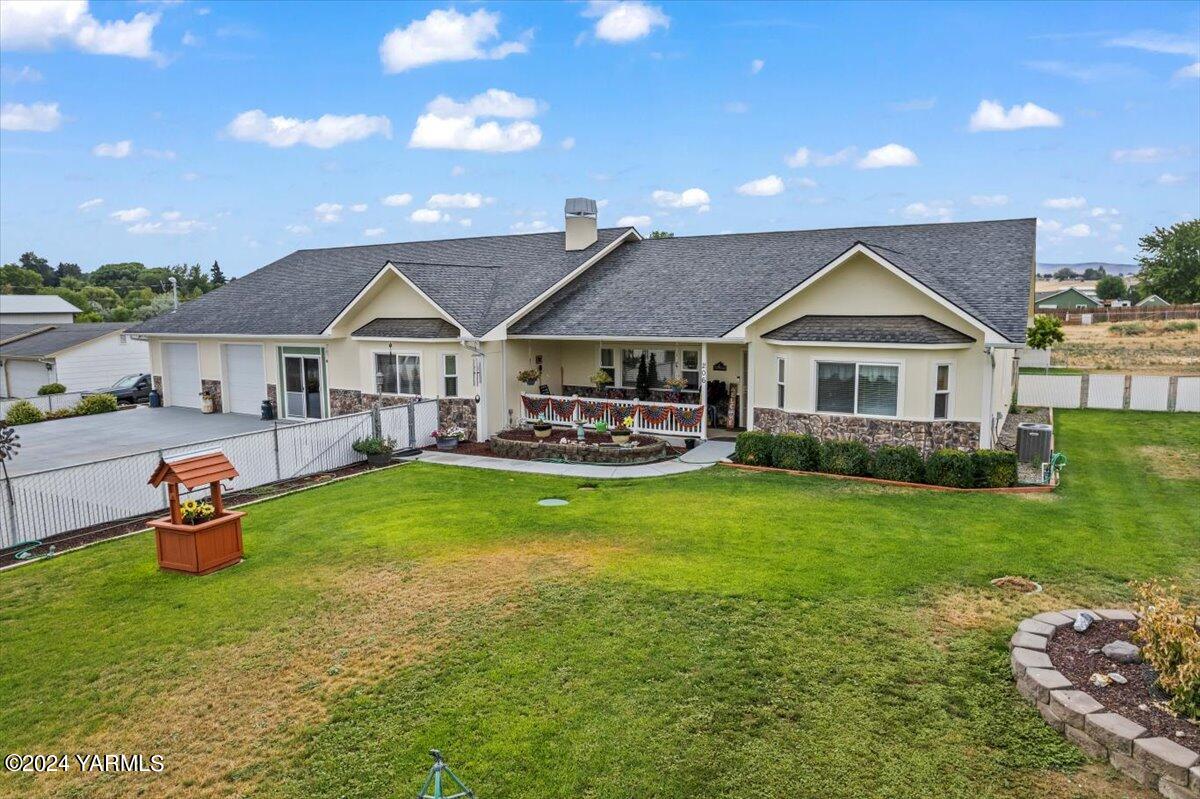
x=622, y=432
x=378, y=450
x=196, y=512
x=529, y=376
x=448, y=438
x=676, y=384
x=601, y=380
x=542, y=428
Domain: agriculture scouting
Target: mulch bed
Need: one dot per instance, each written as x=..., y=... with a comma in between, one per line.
x=484, y=449
x=75, y=539
x=1072, y=654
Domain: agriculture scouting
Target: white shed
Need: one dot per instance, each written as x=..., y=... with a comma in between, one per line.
x=23, y=309
x=82, y=357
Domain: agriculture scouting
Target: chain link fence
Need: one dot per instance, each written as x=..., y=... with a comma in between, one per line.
x=42, y=504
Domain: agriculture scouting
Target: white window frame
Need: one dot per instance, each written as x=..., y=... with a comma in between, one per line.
x=899, y=414
x=446, y=375
x=780, y=381
x=396, y=354
x=948, y=391
x=616, y=373
x=617, y=383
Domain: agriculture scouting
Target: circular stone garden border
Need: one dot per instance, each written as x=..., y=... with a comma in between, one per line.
x=1158, y=763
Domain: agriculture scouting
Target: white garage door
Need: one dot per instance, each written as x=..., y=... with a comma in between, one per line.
x=245, y=386
x=181, y=375
x=26, y=377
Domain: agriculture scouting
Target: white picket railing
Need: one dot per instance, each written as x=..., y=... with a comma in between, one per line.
x=671, y=421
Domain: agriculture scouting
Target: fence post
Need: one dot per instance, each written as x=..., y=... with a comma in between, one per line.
x=412, y=423
x=1084, y=385
x=11, y=507
x=1172, y=391
x=376, y=423
x=275, y=439
x=1126, y=397
x=637, y=414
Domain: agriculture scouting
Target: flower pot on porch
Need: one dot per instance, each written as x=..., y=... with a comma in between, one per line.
x=542, y=430
x=621, y=436
x=379, y=458
x=199, y=548
x=447, y=443
x=207, y=405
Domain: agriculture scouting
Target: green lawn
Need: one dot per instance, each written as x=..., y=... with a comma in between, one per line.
x=716, y=634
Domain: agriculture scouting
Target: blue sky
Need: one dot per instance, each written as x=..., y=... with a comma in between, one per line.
x=185, y=132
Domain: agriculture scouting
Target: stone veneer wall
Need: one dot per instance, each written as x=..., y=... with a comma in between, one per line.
x=451, y=410
x=925, y=436
x=212, y=388
x=457, y=411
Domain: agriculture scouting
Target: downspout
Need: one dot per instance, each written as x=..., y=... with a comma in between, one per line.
x=986, y=421
x=481, y=397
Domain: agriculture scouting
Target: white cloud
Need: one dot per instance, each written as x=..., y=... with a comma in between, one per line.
x=633, y=221
x=1105, y=212
x=1145, y=155
x=627, y=21
x=395, y=200
x=920, y=104
x=45, y=25
x=358, y=208
x=535, y=226
x=1168, y=179
x=190, y=39
x=25, y=74
x=324, y=132
x=1065, y=202
x=568, y=143
x=457, y=170
x=762, y=187
x=372, y=232
x=447, y=35
x=989, y=200
x=887, y=156
x=1158, y=42
x=40, y=117
x=130, y=214
x=803, y=157
x=1078, y=231
x=465, y=222
x=87, y=205
x=756, y=66
x=328, y=212
x=990, y=115
x=449, y=125
x=941, y=210
x=298, y=230
x=688, y=198
x=181, y=227
x=428, y=216
x=120, y=149
x=466, y=200
x=1049, y=225
x=1190, y=71
x=735, y=107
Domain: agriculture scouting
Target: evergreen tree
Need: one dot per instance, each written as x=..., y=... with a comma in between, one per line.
x=218, y=277
x=652, y=372
x=642, y=385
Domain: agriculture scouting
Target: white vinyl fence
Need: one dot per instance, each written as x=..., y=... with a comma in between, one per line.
x=1115, y=392
x=39, y=505
x=1037, y=358
x=47, y=402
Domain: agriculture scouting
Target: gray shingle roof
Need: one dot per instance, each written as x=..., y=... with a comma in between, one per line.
x=479, y=281
x=913, y=329
x=383, y=327
x=56, y=339
x=704, y=286
x=9, y=330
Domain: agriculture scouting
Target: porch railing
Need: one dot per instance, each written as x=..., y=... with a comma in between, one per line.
x=660, y=418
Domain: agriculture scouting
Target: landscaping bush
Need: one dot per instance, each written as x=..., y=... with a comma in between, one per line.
x=1169, y=634
x=96, y=403
x=791, y=451
x=60, y=413
x=1129, y=329
x=1180, y=327
x=23, y=412
x=898, y=463
x=52, y=388
x=846, y=457
x=753, y=447
x=994, y=468
x=950, y=467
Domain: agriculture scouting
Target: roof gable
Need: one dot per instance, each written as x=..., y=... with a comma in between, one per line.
x=55, y=339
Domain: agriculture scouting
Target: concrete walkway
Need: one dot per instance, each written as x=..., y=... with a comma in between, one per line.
x=708, y=453
x=589, y=470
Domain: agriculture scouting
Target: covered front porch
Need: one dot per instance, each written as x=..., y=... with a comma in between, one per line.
x=678, y=388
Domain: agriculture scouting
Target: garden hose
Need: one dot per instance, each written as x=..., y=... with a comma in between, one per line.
x=26, y=552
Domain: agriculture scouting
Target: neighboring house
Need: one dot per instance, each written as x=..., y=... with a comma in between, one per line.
x=36, y=308
x=1153, y=301
x=1068, y=298
x=899, y=334
x=82, y=357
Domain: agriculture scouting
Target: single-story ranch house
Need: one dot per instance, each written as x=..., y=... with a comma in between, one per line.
x=900, y=334
x=82, y=357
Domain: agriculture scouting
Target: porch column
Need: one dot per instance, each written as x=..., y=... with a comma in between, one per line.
x=749, y=385
x=985, y=421
x=704, y=390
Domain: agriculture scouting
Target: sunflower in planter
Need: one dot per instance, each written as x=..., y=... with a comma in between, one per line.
x=194, y=512
x=623, y=430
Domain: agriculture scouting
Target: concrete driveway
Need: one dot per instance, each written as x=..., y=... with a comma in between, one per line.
x=82, y=439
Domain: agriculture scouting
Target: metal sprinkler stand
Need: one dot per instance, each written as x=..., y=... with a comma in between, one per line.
x=434, y=781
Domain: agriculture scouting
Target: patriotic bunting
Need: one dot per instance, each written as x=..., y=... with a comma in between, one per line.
x=655, y=414
x=535, y=406
x=591, y=410
x=689, y=418
x=563, y=408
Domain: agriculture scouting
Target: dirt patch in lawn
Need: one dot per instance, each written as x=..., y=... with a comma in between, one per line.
x=951, y=613
x=1172, y=463
x=1093, y=781
x=228, y=723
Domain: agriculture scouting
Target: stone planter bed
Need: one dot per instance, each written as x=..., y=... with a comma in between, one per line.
x=521, y=444
x=1017, y=489
x=1053, y=665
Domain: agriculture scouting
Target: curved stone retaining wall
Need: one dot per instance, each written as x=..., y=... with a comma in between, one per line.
x=577, y=453
x=1155, y=762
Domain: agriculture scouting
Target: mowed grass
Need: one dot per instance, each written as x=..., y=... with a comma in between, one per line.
x=717, y=634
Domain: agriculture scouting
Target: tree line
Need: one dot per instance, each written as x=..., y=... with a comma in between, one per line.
x=123, y=292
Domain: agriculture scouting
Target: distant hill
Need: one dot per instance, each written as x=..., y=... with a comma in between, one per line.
x=1112, y=269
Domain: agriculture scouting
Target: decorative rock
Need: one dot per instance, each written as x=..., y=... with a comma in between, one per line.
x=1073, y=706
x=1083, y=621
x=1027, y=641
x=1036, y=684
x=1037, y=627
x=1116, y=614
x=1122, y=652
x=1023, y=659
x=1074, y=613
x=1099, y=680
x=1114, y=731
x=1117, y=677
x=1165, y=758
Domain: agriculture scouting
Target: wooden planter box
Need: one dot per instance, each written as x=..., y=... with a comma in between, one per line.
x=199, y=548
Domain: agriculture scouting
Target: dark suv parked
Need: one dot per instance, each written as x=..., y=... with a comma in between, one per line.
x=130, y=388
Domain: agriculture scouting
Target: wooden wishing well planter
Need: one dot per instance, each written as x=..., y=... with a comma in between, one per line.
x=207, y=546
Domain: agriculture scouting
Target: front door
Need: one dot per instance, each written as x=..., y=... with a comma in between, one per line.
x=302, y=386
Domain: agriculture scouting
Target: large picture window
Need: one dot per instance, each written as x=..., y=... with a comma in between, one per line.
x=397, y=374
x=865, y=389
x=661, y=364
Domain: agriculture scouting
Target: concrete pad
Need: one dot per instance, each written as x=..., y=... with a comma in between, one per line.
x=708, y=452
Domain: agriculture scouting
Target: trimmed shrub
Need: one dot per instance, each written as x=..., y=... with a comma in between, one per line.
x=791, y=451
x=846, y=457
x=96, y=403
x=23, y=412
x=950, y=467
x=994, y=468
x=753, y=447
x=52, y=388
x=898, y=463
x=60, y=413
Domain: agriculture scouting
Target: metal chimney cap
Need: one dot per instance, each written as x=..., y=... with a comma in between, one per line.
x=580, y=206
